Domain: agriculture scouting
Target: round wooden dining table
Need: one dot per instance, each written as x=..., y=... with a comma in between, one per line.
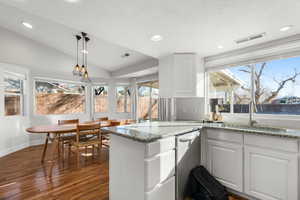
x=57, y=130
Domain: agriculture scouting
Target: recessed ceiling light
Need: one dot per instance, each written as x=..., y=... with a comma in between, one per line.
x=220, y=47
x=125, y=55
x=84, y=51
x=72, y=1
x=156, y=38
x=27, y=25
x=285, y=28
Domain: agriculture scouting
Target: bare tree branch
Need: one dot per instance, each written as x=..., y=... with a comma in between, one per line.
x=281, y=85
x=243, y=70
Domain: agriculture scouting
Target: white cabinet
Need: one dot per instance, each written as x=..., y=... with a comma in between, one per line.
x=163, y=191
x=181, y=75
x=225, y=162
x=264, y=167
x=159, y=168
x=141, y=171
x=271, y=174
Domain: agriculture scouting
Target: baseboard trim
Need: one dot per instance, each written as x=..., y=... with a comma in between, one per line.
x=243, y=195
x=13, y=149
x=20, y=147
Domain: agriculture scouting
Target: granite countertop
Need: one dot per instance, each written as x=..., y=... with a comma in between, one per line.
x=151, y=131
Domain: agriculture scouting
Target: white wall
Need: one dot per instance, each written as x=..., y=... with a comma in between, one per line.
x=12, y=132
x=37, y=60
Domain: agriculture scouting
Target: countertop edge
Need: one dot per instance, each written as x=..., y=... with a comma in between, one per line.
x=201, y=127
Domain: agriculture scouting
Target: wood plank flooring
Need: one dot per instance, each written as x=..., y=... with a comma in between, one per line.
x=23, y=177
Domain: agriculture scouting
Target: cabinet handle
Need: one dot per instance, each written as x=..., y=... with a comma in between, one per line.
x=186, y=140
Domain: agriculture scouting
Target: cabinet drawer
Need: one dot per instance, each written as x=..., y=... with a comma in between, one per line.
x=271, y=142
x=159, y=146
x=165, y=191
x=159, y=168
x=224, y=135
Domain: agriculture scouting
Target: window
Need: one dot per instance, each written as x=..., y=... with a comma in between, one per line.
x=277, y=87
x=229, y=90
x=52, y=97
x=123, y=99
x=272, y=86
x=148, y=100
x=100, y=98
x=13, y=97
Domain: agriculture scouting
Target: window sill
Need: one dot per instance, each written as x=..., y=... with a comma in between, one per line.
x=263, y=116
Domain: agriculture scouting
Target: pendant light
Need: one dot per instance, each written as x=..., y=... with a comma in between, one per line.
x=81, y=71
x=77, y=68
x=83, y=68
x=85, y=74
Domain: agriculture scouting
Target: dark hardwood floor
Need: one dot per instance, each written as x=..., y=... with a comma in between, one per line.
x=22, y=177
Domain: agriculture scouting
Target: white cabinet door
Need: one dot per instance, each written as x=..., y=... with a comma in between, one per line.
x=225, y=162
x=165, y=191
x=159, y=168
x=184, y=75
x=271, y=175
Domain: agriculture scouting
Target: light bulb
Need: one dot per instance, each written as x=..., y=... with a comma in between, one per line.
x=86, y=75
x=76, y=70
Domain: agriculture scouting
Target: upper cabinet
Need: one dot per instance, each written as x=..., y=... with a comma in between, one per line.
x=181, y=75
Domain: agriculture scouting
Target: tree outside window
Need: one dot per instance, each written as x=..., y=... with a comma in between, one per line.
x=52, y=97
x=148, y=93
x=123, y=99
x=275, y=87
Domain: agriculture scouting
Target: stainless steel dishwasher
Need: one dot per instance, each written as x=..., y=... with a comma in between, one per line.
x=188, y=156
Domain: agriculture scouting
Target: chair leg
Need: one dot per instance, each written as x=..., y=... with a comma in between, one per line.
x=69, y=150
x=78, y=157
x=58, y=147
x=85, y=151
x=63, y=149
x=93, y=151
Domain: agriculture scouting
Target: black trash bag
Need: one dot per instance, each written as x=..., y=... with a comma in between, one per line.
x=203, y=186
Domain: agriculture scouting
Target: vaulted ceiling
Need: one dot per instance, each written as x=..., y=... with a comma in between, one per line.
x=119, y=26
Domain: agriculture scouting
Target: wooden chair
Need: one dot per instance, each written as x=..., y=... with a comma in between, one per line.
x=105, y=136
x=115, y=123
x=102, y=119
x=131, y=121
x=87, y=130
x=66, y=139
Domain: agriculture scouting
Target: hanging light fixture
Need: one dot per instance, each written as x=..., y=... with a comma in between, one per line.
x=77, y=68
x=81, y=71
x=85, y=74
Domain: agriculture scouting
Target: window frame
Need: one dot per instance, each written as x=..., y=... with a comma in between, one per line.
x=150, y=100
x=125, y=103
x=35, y=79
x=93, y=97
x=233, y=115
x=22, y=78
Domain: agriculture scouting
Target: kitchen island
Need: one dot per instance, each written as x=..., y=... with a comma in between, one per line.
x=261, y=162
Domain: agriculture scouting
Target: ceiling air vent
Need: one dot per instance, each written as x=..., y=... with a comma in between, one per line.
x=249, y=38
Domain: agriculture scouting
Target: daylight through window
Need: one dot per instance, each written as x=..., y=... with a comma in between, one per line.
x=123, y=99
x=53, y=97
x=13, y=94
x=100, y=98
x=276, y=88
